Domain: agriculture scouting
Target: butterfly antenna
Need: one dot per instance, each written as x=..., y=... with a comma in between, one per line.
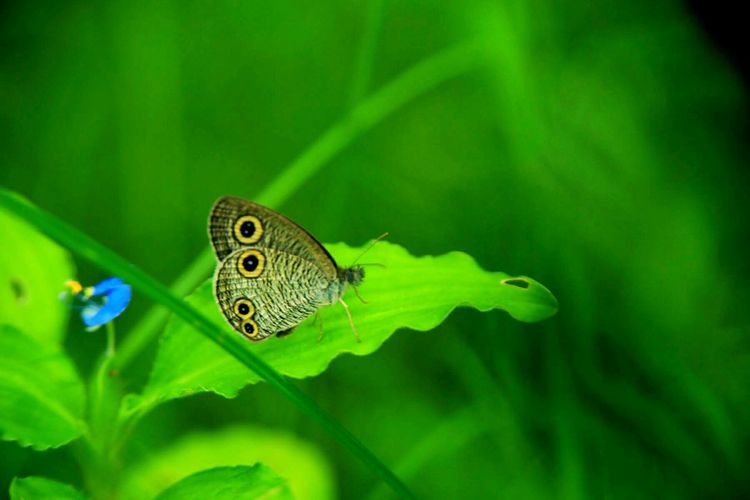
x=369, y=247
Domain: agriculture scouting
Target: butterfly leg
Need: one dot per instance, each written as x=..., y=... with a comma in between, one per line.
x=351, y=321
x=356, y=292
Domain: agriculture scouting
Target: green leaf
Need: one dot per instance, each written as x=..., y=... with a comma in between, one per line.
x=230, y=483
x=305, y=468
x=41, y=488
x=42, y=395
x=408, y=292
x=33, y=270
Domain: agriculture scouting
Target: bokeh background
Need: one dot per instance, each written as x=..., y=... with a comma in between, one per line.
x=597, y=147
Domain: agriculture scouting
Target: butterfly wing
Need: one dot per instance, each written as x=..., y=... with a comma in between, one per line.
x=262, y=291
x=235, y=223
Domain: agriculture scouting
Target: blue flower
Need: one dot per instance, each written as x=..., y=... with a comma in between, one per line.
x=101, y=303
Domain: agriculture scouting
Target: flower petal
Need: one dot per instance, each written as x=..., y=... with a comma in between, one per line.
x=107, y=285
x=115, y=302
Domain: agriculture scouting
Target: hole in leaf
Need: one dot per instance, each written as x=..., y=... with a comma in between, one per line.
x=518, y=282
x=18, y=290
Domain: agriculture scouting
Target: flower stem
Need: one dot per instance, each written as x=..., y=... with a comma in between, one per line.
x=104, y=403
x=110, y=350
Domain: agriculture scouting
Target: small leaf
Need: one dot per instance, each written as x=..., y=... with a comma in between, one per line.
x=41, y=488
x=32, y=271
x=408, y=292
x=305, y=468
x=230, y=483
x=42, y=395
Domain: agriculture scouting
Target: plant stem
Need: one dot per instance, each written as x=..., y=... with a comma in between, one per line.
x=410, y=84
x=366, y=57
x=147, y=328
x=104, y=397
x=104, y=403
x=110, y=350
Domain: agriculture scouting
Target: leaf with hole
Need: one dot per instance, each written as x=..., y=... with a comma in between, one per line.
x=402, y=292
x=33, y=270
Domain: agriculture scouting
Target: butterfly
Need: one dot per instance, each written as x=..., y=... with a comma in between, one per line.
x=272, y=274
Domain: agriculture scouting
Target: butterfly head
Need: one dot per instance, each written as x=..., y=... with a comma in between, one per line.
x=352, y=275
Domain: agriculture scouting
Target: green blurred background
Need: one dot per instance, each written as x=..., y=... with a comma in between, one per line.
x=595, y=147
